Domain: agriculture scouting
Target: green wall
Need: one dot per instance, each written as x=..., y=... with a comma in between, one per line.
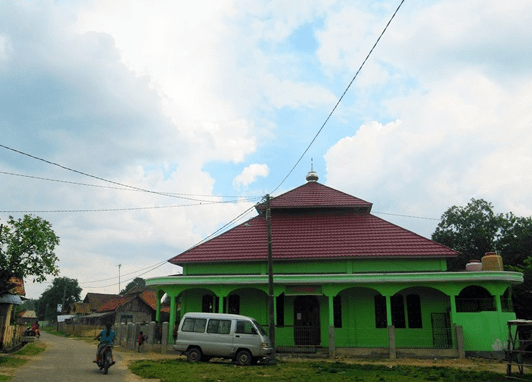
x=348, y=266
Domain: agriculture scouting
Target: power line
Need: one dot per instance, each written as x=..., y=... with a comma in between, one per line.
x=404, y=216
x=205, y=203
x=114, y=188
x=125, y=274
x=341, y=98
x=132, y=278
x=97, y=177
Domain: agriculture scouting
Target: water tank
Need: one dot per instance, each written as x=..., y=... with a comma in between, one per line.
x=473, y=266
x=492, y=262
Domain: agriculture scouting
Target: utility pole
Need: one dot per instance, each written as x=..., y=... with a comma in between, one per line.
x=119, y=265
x=270, y=273
x=64, y=295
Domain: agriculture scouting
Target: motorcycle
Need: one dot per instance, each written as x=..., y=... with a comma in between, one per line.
x=106, y=358
x=29, y=332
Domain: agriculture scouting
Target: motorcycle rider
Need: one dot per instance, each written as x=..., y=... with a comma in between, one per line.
x=106, y=337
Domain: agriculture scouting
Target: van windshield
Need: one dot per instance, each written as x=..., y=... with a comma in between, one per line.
x=259, y=328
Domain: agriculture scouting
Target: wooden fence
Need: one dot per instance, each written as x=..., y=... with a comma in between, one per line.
x=12, y=336
x=79, y=329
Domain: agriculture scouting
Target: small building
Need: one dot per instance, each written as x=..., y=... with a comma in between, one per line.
x=343, y=280
x=139, y=307
x=27, y=318
x=95, y=300
x=10, y=335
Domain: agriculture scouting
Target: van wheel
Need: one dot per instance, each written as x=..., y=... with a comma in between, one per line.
x=243, y=358
x=194, y=355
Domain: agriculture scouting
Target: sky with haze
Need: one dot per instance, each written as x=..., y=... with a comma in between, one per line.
x=209, y=105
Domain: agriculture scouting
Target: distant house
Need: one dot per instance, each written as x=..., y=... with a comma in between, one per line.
x=80, y=309
x=343, y=279
x=95, y=300
x=135, y=307
x=27, y=318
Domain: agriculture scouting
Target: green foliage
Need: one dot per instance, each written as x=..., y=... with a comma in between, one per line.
x=475, y=229
x=63, y=289
x=27, y=249
x=180, y=370
x=472, y=230
x=31, y=349
x=138, y=283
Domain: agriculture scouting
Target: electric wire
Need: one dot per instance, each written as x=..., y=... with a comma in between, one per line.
x=115, y=188
x=125, y=274
x=97, y=177
x=341, y=97
x=205, y=203
x=247, y=210
x=126, y=280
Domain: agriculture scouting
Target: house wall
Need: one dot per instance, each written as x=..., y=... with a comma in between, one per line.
x=348, y=266
x=134, y=311
x=484, y=331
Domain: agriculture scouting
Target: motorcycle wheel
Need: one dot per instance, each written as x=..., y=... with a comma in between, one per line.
x=107, y=362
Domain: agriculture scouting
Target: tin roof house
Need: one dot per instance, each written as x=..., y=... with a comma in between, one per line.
x=344, y=280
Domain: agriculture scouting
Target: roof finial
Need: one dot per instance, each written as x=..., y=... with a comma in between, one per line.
x=312, y=176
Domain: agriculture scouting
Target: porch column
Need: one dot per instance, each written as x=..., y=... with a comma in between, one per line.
x=221, y=304
x=452, y=299
x=498, y=304
x=158, y=308
x=173, y=314
x=332, y=345
x=388, y=310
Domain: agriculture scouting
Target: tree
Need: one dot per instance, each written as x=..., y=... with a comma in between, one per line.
x=138, y=283
x=475, y=229
x=472, y=230
x=64, y=291
x=521, y=294
x=27, y=249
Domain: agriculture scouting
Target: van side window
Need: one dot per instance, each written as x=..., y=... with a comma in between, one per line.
x=245, y=327
x=219, y=326
x=194, y=325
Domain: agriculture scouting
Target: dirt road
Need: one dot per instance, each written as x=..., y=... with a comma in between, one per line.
x=67, y=359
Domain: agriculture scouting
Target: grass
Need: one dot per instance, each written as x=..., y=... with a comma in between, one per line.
x=14, y=360
x=182, y=371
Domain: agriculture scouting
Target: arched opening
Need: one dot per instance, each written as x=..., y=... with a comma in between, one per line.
x=307, y=321
x=474, y=299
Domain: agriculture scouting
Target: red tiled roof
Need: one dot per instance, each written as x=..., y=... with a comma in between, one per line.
x=345, y=229
x=113, y=304
x=322, y=236
x=148, y=296
x=96, y=300
x=315, y=195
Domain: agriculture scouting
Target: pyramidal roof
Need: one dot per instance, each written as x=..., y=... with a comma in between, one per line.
x=315, y=195
x=317, y=222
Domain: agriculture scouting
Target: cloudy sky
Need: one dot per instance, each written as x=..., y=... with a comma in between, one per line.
x=209, y=105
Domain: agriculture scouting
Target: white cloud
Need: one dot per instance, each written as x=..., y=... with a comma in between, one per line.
x=250, y=174
x=468, y=138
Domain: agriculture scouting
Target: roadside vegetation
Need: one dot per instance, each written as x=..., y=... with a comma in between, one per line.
x=10, y=361
x=182, y=371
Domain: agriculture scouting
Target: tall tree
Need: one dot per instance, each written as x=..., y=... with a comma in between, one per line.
x=137, y=283
x=475, y=229
x=63, y=291
x=472, y=230
x=27, y=249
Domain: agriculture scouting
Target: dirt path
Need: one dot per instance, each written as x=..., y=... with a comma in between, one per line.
x=67, y=359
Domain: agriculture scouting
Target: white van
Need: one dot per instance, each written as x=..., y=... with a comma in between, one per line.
x=202, y=336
